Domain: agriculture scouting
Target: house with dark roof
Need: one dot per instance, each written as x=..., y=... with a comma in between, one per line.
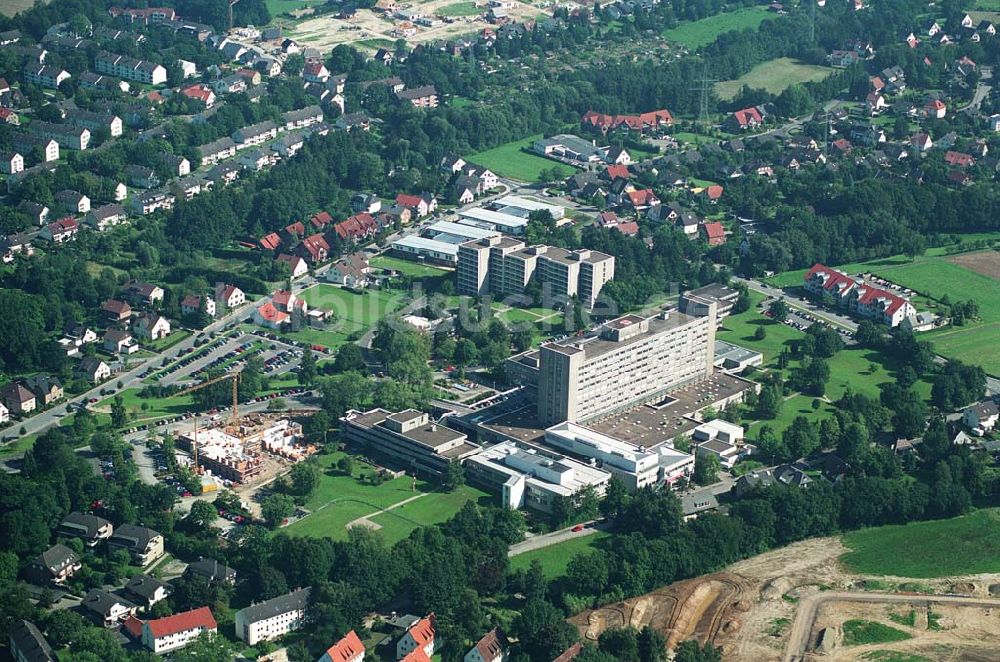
x=146, y=591
x=55, y=565
x=47, y=389
x=107, y=609
x=18, y=399
x=211, y=571
x=145, y=545
x=89, y=528
x=27, y=643
x=273, y=618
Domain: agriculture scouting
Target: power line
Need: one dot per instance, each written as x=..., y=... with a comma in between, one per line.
x=704, y=86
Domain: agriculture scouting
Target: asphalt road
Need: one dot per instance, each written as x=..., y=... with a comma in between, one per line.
x=554, y=538
x=841, y=321
x=798, y=638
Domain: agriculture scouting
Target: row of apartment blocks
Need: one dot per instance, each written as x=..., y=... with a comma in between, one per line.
x=140, y=71
x=859, y=297
x=503, y=265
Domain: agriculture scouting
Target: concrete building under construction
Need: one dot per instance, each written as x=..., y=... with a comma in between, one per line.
x=235, y=453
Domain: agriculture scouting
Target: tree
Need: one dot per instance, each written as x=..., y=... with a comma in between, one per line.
x=276, y=508
x=868, y=334
x=119, y=416
x=770, y=401
x=778, y=310
x=542, y=630
x=691, y=651
x=63, y=627
x=616, y=498
x=706, y=468
x=760, y=333
x=815, y=376
x=305, y=478
x=208, y=646
x=307, y=368
x=349, y=357
x=345, y=465
x=203, y=513
x=453, y=477
x=800, y=438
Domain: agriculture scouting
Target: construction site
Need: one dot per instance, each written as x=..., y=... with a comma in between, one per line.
x=799, y=603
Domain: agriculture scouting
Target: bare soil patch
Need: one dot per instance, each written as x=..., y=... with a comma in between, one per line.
x=986, y=263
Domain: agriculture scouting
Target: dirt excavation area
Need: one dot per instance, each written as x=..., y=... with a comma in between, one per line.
x=428, y=21
x=798, y=603
x=986, y=263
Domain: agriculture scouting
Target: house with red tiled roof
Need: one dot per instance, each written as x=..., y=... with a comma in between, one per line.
x=936, y=108
x=322, y=219
x=418, y=637
x=420, y=204
x=617, y=171
x=296, y=265
x=630, y=228
x=116, y=311
x=201, y=93
x=607, y=219
x=270, y=241
x=493, y=647
x=314, y=249
x=229, y=296
x=864, y=300
x=173, y=632
x=922, y=142
x=417, y=655
x=745, y=119
x=348, y=649
x=713, y=233
x=842, y=145
x=959, y=177
x=268, y=316
x=297, y=228
x=642, y=122
x=61, y=231
x=287, y=302
x=876, y=83
x=714, y=192
x=959, y=159
x=570, y=653
x=641, y=199
x=357, y=228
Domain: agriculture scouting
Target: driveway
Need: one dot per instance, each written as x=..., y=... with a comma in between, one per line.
x=554, y=538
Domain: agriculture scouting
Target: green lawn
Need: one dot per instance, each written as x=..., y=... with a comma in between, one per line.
x=376, y=43
x=773, y=76
x=276, y=7
x=858, y=632
x=407, y=267
x=163, y=344
x=341, y=499
x=460, y=9
x=555, y=558
x=155, y=407
x=695, y=139
x=11, y=7
x=509, y=161
x=699, y=33
x=351, y=311
x=938, y=548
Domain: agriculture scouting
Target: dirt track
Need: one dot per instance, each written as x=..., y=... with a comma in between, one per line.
x=986, y=263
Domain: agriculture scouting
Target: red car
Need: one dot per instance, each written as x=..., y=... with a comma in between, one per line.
x=578, y=528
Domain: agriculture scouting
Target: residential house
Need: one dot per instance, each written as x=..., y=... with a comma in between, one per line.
x=348, y=649
x=39, y=213
x=11, y=163
x=73, y=201
x=420, y=635
x=92, y=369
x=200, y=93
x=936, y=108
x=314, y=249
x=640, y=200
x=304, y=118
x=315, y=72
x=70, y=137
x=642, y=122
x=296, y=265
x=4, y=413
x=149, y=202
x=366, y=203
x=95, y=121
x=745, y=119
x=46, y=388
x=421, y=97
x=493, y=647
x=140, y=292
x=216, y=151
x=714, y=193
x=352, y=121
x=189, y=187
x=273, y=618
x=178, y=165
x=229, y=297
x=713, y=233
x=151, y=326
x=351, y=271
x=45, y=75
x=26, y=643
x=288, y=145
x=55, y=565
x=61, y=231
x=255, y=134
x=28, y=143
x=256, y=160
x=91, y=81
x=147, y=590
x=268, y=316
x=882, y=306
x=119, y=341
x=224, y=174
x=89, y=528
x=981, y=417
x=357, y=228
x=16, y=244
x=174, y=632
x=18, y=399
x=191, y=305
x=143, y=544
x=106, y=217
x=141, y=176
x=140, y=71
x=959, y=159
x=211, y=571
x=9, y=116
x=107, y=609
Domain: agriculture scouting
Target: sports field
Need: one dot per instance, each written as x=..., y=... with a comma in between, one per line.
x=509, y=161
x=773, y=76
x=938, y=548
x=699, y=33
x=341, y=500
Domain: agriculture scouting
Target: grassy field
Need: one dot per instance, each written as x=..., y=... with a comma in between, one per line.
x=407, y=267
x=362, y=310
x=11, y=7
x=699, y=33
x=773, y=76
x=162, y=344
x=460, y=9
x=509, y=161
x=555, y=558
x=155, y=407
x=858, y=633
x=341, y=499
x=938, y=548
x=276, y=7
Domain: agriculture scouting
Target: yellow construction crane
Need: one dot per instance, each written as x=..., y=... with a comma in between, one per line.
x=235, y=377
